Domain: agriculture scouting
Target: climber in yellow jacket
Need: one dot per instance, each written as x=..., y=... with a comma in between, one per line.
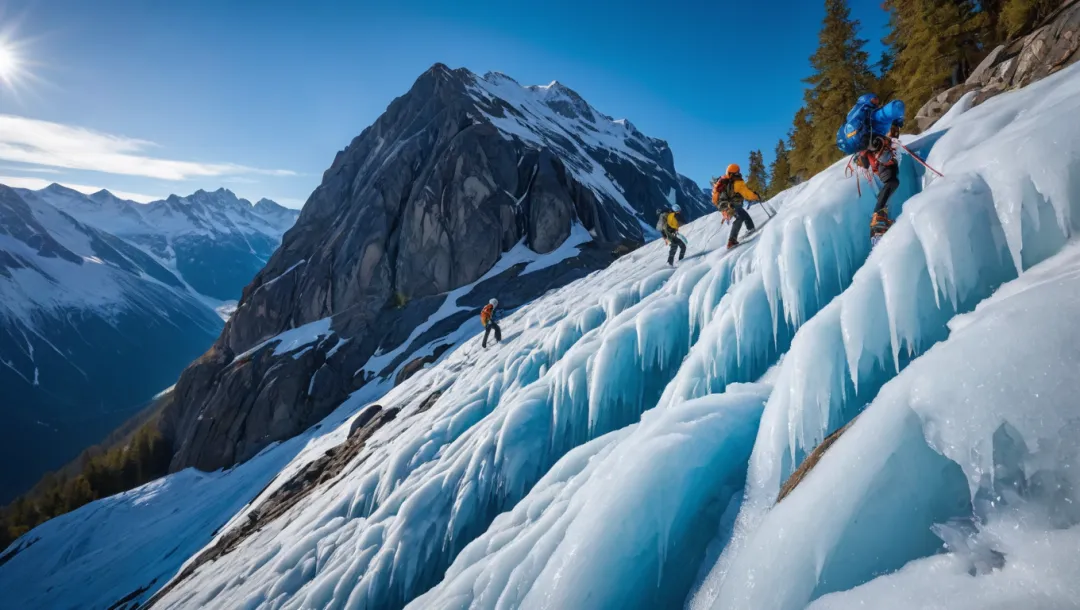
x=728, y=195
x=668, y=224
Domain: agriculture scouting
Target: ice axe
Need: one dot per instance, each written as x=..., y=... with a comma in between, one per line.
x=766, y=208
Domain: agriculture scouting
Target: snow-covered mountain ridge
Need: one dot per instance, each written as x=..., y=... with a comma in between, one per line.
x=215, y=241
x=90, y=328
x=98, y=289
x=625, y=446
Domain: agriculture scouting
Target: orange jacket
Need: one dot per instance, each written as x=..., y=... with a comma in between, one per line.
x=738, y=185
x=485, y=314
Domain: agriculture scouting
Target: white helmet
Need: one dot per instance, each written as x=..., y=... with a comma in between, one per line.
x=675, y=208
x=494, y=302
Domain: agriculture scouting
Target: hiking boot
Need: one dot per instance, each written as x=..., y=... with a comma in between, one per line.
x=879, y=223
x=732, y=243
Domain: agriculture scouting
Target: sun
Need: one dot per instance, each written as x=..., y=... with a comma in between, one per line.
x=9, y=63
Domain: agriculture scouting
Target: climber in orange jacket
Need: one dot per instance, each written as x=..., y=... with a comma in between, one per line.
x=487, y=318
x=728, y=195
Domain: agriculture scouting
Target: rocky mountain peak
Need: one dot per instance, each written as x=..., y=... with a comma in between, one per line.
x=458, y=172
x=221, y=196
x=102, y=195
x=61, y=190
x=566, y=101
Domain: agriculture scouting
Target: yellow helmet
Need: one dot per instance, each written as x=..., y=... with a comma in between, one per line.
x=733, y=168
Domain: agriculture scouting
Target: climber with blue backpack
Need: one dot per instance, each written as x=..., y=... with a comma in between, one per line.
x=868, y=135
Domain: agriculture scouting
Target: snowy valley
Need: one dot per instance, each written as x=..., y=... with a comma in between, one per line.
x=103, y=301
x=625, y=446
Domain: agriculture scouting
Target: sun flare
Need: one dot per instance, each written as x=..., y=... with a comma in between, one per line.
x=9, y=63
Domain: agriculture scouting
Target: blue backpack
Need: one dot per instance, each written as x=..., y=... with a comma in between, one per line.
x=854, y=135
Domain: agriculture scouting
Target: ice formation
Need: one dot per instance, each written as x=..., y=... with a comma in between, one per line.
x=625, y=445
x=973, y=445
x=653, y=493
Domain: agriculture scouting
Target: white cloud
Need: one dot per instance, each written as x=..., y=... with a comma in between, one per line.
x=50, y=144
x=34, y=184
x=36, y=170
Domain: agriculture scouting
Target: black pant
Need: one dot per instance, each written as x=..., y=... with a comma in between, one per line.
x=741, y=216
x=890, y=181
x=487, y=331
x=676, y=244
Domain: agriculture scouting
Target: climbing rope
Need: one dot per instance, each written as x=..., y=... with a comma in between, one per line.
x=918, y=158
x=851, y=170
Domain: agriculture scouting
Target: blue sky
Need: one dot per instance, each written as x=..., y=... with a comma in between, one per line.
x=150, y=98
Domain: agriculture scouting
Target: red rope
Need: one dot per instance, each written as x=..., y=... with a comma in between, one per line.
x=918, y=158
x=850, y=171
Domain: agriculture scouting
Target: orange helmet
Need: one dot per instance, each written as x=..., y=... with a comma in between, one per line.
x=733, y=168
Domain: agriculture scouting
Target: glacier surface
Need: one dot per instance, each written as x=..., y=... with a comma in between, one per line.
x=625, y=446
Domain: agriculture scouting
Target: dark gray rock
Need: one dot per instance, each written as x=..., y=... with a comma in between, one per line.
x=423, y=202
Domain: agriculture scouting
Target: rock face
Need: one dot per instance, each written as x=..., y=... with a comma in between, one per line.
x=1021, y=62
x=455, y=176
x=91, y=327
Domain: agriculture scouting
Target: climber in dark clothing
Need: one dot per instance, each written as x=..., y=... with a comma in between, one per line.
x=668, y=224
x=487, y=318
x=880, y=158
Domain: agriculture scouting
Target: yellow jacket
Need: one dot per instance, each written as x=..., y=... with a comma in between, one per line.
x=737, y=185
x=672, y=221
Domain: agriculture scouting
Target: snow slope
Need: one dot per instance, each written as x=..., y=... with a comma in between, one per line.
x=624, y=447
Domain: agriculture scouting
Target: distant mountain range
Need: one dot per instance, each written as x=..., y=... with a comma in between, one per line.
x=215, y=241
x=103, y=302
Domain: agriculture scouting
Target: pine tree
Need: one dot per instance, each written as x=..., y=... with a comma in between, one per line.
x=801, y=146
x=756, y=178
x=935, y=45
x=886, y=86
x=779, y=171
x=992, y=10
x=1018, y=17
x=841, y=74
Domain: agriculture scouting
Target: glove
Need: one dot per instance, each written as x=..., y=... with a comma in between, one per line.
x=894, y=131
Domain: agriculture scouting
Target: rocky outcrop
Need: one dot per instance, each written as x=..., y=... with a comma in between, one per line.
x=417, y=364
x=318, y=473
x=1048, y=49
x=810, y=462
x=455, y=173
